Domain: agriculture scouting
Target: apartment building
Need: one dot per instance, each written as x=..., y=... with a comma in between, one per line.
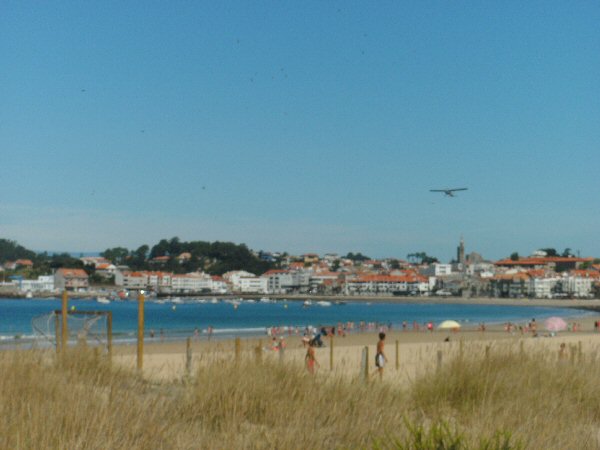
x=71, y=279
x=253, y=285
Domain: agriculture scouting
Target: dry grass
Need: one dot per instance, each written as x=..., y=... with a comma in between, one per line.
x=503, y=401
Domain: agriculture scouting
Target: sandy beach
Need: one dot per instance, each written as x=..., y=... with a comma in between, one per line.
x=408, y=352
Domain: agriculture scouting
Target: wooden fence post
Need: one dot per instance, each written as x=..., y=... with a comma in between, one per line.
x=439, y=359
x=140, y=334
x=365, y=365
x=237, y=349
x=258, y=351
x=109, y=336
x=281, y=351
x=331, y=352
x=65, y=327
x=57, y=333
x=188, y=356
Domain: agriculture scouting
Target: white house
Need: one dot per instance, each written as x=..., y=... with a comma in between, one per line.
x=43, y=283
x=219, y=285
x=576, y=286
x=541, y=287
x=436, y=270
x=191, y=282
x=253, y=285
x=234, y=278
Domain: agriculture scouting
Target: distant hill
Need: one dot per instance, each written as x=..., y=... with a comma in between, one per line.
x=11, y=251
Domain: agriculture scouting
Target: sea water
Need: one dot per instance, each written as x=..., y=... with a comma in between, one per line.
x=180, y=318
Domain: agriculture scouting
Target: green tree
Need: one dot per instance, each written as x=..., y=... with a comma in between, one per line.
x=356, y=256
x=138, y=258
x=550, y=251
x=116, y=255
x=514, y=256
x=160, y=249
x=11, y=251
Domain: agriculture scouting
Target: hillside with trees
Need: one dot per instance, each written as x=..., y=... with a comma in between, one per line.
x=214, y=258
x=11, y=251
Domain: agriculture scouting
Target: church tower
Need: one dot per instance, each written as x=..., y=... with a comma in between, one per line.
x=460, y=252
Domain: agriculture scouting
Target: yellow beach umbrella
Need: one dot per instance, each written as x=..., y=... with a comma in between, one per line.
x=449, y=325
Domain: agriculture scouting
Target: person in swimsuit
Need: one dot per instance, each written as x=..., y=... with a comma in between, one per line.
x=380, y=358
x=310, y=359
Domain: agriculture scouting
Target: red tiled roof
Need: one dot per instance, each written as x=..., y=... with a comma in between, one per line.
x=72, y=273
x=274, y=272
x=387, y=279
x=23, y=262
x=511, y=276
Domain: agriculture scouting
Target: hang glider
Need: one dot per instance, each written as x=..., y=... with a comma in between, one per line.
x=448, y=192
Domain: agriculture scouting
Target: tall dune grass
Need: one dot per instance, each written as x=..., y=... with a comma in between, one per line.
x=503, y=401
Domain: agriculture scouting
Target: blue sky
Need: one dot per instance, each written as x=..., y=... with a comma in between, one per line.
x=301, y=126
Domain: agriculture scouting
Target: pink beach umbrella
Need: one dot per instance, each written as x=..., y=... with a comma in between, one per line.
x=555, y=324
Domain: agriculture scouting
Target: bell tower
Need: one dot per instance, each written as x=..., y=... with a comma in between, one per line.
x=460, y=251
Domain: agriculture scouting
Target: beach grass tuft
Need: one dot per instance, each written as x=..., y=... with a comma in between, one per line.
x=501, y=400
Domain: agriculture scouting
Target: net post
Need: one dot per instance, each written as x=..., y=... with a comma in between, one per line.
x=64, y=314
x=140, y=335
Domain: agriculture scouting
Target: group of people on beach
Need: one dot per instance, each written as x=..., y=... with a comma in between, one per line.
x=380, y=356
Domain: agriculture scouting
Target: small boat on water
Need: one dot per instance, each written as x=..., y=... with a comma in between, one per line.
x=307, y=303
x=265, y=300
x=103, y=300
x=324, y=303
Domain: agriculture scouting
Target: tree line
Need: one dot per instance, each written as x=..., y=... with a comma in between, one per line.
x=214, y=258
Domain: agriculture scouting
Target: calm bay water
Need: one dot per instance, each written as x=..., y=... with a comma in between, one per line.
x=179, y=320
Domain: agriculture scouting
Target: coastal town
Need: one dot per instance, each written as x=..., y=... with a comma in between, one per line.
x=543, y=274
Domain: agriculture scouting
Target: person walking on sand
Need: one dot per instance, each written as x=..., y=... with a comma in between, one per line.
x=380, y=358
x=311, y=360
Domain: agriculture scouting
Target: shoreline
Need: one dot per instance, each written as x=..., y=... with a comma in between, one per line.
x=588, y=304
